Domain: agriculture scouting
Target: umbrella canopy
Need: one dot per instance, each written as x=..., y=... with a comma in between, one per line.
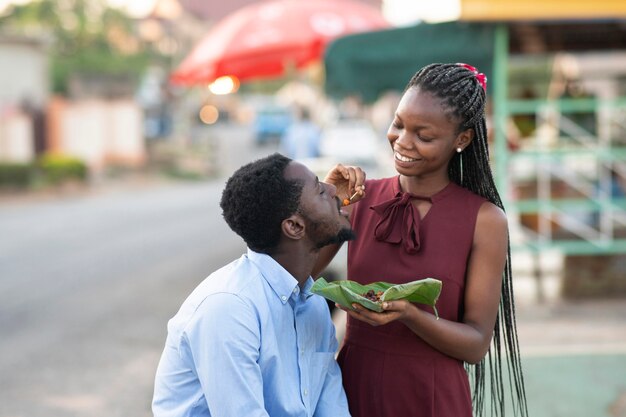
x=263, y=39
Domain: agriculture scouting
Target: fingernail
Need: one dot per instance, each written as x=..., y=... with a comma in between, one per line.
x=385, y=305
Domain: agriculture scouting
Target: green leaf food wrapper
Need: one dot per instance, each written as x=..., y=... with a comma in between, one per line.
x=345, y=293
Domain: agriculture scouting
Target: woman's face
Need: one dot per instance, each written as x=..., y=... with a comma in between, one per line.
x=423, y=136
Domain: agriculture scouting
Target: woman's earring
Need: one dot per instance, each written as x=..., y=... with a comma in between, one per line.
x=459, y=150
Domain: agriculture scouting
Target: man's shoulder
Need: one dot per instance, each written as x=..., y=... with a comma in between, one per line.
x=239, y=278
x=233, y=284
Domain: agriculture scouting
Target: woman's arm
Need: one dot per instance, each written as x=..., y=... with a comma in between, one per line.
x=469, y=339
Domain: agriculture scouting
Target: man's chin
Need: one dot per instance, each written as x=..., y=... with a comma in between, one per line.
x=344, y=235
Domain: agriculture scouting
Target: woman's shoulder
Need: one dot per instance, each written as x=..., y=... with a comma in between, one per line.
x=484, y=209
x=491, y=214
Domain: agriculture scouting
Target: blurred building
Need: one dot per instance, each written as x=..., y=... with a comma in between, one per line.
x=24, y=63
x=24, y=92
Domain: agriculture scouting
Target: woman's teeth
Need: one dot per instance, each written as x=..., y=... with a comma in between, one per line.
x=404, y=158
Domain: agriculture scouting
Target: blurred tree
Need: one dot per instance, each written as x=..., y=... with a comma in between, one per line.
x=88, y=38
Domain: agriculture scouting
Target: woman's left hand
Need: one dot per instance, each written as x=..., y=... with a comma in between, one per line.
x=392, y=311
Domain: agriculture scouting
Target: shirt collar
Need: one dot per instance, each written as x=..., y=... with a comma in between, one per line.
x=306, y=291
x=281, y=281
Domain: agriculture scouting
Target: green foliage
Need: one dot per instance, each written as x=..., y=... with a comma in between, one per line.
x=49, y=169
x=15, y=175
x=88, y=38
x=56, y=169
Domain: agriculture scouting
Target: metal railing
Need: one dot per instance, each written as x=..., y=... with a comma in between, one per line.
x=567, y=181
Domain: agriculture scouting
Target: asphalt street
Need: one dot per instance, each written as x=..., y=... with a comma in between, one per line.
x=86, y=288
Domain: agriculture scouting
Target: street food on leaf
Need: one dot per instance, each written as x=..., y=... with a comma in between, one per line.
x=345, y=293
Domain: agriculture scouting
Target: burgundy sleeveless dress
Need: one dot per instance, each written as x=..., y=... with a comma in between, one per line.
x=388, y=371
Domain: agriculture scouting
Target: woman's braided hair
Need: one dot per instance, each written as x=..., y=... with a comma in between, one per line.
x=463, y=96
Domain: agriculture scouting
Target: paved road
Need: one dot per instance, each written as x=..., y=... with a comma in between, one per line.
x=86, y=288
x=574, y=358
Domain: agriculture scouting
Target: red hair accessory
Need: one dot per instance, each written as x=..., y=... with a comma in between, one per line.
x=482, y=78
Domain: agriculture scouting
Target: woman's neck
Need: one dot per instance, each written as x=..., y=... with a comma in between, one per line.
x=423, y=186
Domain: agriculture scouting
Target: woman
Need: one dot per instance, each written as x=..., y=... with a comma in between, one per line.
x=441, y=217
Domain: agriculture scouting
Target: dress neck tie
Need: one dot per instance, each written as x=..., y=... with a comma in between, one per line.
x=400, y=221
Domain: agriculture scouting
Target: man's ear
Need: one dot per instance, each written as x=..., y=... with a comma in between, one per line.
x=293, y=227
x=464, y=138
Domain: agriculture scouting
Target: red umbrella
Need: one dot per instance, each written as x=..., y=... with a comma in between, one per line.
x=263, y=39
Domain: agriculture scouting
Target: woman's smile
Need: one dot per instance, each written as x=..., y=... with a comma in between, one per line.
x=402, y=158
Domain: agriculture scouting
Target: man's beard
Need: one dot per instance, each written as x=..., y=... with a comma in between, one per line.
x=344, y=235
x=317, y=231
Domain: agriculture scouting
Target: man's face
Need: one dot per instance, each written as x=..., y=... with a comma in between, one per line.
x=326, y=223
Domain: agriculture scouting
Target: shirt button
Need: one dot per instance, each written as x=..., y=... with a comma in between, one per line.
x=302, y=351
x=283, y=297
x=295, y=290
x=306, y=392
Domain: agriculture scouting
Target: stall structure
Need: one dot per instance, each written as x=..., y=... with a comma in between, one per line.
x=557, y=108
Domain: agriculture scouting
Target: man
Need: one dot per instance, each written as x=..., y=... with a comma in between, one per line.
x=252, y=340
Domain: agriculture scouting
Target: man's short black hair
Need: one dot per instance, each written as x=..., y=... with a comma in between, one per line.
x=257, y=198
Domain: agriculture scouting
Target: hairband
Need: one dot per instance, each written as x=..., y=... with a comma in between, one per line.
x=482, y=78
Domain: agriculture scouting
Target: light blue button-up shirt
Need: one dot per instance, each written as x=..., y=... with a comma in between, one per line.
x=248, y=342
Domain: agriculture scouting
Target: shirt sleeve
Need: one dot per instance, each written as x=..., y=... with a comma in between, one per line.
x=222, y=340
x=332, y=401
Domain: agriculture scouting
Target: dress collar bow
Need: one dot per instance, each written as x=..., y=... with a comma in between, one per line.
x=400, y=221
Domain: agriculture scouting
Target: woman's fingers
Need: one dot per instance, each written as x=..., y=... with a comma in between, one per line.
x=348, y=180
x=355, y=183
x=337, y=174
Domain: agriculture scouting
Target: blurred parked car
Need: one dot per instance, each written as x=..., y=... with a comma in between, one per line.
x=270, y=123
x=352, y=142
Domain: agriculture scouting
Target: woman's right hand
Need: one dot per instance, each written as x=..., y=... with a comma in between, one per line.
x=348, y=180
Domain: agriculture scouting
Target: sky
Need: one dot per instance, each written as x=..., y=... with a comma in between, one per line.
x=398, y=12
x=137, y=8
x=408, y=12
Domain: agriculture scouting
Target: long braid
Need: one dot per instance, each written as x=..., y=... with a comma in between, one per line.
x=464, y=98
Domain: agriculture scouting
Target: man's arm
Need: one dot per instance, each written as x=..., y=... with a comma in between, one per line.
x=223, y=343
